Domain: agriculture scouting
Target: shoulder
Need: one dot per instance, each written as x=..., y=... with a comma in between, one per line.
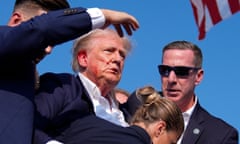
x=215, y=123
x=57, y=77
x=50, y=81
x=211, y=118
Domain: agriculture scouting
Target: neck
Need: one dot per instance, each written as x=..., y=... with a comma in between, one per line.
x=187, y=104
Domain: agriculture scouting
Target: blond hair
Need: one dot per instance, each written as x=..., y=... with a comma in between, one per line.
x=155, y=108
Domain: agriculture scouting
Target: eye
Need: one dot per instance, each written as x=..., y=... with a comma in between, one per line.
x=123, y=54
x=109, y=50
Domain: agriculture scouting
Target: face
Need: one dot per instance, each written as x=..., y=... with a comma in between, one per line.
x=121, y=98
x=104, y=62
x=180, y=89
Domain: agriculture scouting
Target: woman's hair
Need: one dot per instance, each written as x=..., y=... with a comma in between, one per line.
x=155, y=108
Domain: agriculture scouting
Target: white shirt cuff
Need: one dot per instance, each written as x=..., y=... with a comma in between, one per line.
x=53, y=142
x=97, y=17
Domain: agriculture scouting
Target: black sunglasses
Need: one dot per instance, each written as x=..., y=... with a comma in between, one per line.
x=180, y=71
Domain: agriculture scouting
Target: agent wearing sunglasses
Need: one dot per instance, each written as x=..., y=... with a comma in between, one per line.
x=181, y=71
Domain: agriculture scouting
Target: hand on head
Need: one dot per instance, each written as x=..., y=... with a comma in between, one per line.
x=119, y=20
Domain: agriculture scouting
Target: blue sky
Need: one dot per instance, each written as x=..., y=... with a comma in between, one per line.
x=160, y=23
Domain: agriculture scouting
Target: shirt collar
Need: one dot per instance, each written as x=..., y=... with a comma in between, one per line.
x=94, y=91
x=190, y=111
x=91, y=87
x=187, y=114
x=101, y=105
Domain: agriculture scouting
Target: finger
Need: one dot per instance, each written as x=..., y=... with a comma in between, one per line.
x=128, y=29
x=131, y=20
x=118, y=29
x=134, y=26
x=134, y=23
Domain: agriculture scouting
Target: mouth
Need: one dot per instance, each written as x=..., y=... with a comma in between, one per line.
x=172, y=92
x=114, y=70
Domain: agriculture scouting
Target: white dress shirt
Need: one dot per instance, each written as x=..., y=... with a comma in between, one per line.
x=97, y=17
x=102, y=107
x=186, y=117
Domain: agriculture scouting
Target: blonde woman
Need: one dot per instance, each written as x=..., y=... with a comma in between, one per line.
x=157, y=121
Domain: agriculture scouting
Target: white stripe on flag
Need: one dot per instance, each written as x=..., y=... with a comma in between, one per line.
x=209, y=12
x=200, y=10
x=224, y=9
x=208, y=23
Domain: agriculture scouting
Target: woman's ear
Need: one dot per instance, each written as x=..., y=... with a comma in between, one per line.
x=160, y=128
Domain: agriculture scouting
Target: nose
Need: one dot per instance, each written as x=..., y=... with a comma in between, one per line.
x=172, y=76
x=118, y=59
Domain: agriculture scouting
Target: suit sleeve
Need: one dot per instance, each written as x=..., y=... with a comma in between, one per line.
x=49, y=101
x=59, y=102
x=35, y=35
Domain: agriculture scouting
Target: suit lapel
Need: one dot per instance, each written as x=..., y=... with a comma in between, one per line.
x=194, y=128
x=85, y=96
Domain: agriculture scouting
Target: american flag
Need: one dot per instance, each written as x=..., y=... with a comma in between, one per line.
x=208, y=13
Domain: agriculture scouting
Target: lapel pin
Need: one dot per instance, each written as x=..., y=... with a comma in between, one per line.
x=196, y=131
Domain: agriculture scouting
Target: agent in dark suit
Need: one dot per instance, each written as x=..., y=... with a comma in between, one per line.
x=157, y=121
x=21, y=45
x=181, y=71
x=98, y=60
x=205, y=128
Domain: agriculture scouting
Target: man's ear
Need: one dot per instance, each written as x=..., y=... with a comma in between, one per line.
x=199, y=76
x=82, y=58
x=15, y=19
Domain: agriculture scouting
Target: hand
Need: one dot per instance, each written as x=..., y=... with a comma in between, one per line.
x=119, y=19
x=42, y=54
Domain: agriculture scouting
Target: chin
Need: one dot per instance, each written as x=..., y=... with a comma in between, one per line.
x=113, y=81
x=172, y=97
x=114, y=78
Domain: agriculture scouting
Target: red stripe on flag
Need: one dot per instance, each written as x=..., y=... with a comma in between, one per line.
x=200, y=7
x=195, y=13
x=213, y=10
x=202, y=31
x=234, y=5
x=200, y=22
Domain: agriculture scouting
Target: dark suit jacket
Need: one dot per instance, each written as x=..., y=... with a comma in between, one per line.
x=61, y=100
x=94, y=130
x=130, y=107
x=20, y=45
x=203, y=128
